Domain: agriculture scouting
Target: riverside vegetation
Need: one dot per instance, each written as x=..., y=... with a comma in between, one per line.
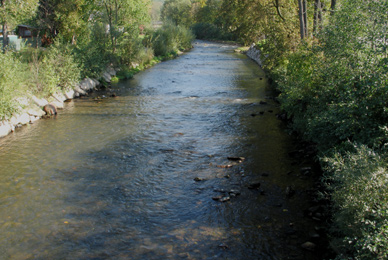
x=331, y=78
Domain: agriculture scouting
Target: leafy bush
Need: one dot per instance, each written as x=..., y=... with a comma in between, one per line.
x=12, y=80
x=92, y=53
x=358, y=182
x=335, y=90
x=132, y=50
x=61, y=59
x=44, y=79
x=170, y=39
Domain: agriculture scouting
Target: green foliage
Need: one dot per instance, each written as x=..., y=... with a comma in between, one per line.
x=92, y=53
x=334, y=90
x=114, y=80
x=67, y=18
x=125, y=73
x=131, y=50
x=178, y=12
x=208, y=12
x=209, y=31
x=50, y=70
x=122, y=17
x=12, y=77
x=43, y=78
x=358, y=182
x=170, y=39
x=62, y=60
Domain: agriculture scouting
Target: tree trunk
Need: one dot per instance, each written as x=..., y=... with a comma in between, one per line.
x=276, y=4
x=306, y=32
x=332, y=7
x=317, y=16
x=110, y=14
x=5, y=36
x=301, y=19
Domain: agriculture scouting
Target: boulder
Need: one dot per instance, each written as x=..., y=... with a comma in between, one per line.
x=39, y=101
x=111, y=71
x=5, y=128
x=88, y=84
x=106, y=77
x=57, y=104
x=35, y=111
x=308, y=246
x=23, y=119
x=33, y=119
x=96, y=82
x=60, y=97
x=70, y=94
x=23, y=101
x=80, y=91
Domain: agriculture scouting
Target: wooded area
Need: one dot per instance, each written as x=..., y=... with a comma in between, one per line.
x=327, y=58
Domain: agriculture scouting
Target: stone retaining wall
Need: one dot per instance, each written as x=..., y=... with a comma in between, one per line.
x=255, y=55
x=31, y=107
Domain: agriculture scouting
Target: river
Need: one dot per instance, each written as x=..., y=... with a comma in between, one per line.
x=143, y=175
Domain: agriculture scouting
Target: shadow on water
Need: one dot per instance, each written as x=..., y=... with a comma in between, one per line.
x=141, y=176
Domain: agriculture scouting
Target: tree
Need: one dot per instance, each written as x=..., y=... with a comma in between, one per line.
x=303, y=19
x=120, y=15
x=177, y=11
x=66, y=17
x=333, y=6
x=209, y=12
x=13, y=12
x=317, y=16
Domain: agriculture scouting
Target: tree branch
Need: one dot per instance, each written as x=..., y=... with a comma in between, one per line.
x=276, y=5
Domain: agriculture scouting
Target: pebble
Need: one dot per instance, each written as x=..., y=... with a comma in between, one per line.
x=225, y=166
x=223, y=246
x=224, y=199
x=254, y=185
x=308, y=246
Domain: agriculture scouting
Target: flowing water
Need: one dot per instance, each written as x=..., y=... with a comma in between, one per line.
x=134, y=176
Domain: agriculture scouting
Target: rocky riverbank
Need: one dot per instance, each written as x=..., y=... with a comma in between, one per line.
x=32, y=108
x=255, y=54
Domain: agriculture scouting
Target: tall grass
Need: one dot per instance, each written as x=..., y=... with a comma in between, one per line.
x=12, y=83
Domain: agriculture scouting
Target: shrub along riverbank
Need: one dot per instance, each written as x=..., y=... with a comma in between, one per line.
x=334, y=90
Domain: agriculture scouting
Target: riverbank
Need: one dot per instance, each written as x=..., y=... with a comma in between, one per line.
x=32, y=108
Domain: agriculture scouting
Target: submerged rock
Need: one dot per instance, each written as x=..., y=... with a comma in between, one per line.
x=290, y=191
x=225, y=166
x=308, y=246
x=238, y=159
x=255, y=185
x=221, y=198
x=199, y=179
x=223, y=246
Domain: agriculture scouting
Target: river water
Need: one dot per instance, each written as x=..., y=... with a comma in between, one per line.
x=137, y=176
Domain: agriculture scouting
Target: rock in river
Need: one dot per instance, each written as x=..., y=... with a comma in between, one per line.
x=255, y=185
